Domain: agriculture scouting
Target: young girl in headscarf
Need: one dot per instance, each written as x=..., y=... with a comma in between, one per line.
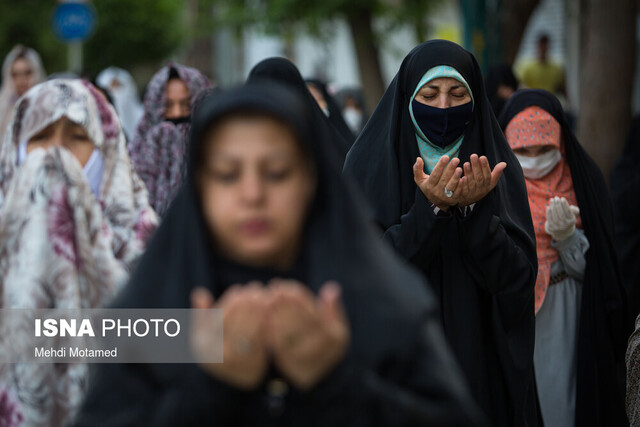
x=323, y=325
x=159, y=147
x=21, y=70
x=581, y=327
x=424, y=163
x=74, y=218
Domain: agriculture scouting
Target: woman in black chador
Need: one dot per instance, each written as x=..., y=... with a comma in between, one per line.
x=424, y=164
x=331, y=330
x=283, y=71
x=581, y=324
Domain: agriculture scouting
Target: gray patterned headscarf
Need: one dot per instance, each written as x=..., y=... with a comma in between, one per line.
x=159, y=148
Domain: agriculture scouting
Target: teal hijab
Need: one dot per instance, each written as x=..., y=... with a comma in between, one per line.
x=429, y=152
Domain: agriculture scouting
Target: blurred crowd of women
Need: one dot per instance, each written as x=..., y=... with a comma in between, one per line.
x=454, y=258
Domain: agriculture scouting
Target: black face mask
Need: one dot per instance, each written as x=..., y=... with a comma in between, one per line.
x=177, y=121
x=442, y=126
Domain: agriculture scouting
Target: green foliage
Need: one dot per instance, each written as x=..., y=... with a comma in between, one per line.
x=287, y=17
x=128, y=32
x=131, y=32
x=28, y=22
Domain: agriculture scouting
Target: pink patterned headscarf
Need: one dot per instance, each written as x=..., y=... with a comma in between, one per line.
x=534, y=127
x=159, y=148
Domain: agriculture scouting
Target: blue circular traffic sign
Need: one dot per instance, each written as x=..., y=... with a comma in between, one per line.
x=74, y=21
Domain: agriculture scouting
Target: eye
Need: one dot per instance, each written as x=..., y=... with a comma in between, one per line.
x=79, y=136
x=459, y=93
x=428, y=95
x=41, y=136
x=277, y=175
x=223, y=176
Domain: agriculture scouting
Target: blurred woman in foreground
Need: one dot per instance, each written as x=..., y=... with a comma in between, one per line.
x=322, y=324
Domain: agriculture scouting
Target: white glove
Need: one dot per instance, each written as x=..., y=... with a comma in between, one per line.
x=561, y=219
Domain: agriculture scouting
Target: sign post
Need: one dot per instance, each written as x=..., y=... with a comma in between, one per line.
x=73, y=22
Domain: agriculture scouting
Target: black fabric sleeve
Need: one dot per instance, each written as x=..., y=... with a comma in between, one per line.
x=494, y=258
x=418, y=227
x=131, y=395
x=424, y=387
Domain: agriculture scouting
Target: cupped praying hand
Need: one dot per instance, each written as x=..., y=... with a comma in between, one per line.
x=283, y=324
x=451, y=185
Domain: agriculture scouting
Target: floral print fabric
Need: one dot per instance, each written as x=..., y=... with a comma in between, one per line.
x=159, y=148
x=60, y=245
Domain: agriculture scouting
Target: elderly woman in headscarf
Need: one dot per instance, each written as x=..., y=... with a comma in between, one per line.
x=74, y=218
x=158, y=149
x=124, y=92
x=21, y=70
x=432, y=163
x=581, y=327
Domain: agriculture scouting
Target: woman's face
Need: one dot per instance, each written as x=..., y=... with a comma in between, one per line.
x=504, y=91
x=443, y=92
x=22, y=75
x=534, y=151
x=256, y=186
x=317, y=95
x=178, y=102
x=67, y=134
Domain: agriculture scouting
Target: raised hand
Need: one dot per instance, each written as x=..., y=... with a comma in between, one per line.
x=561, y=219
x=444, y=179
x=245, y=319
x=307, y=336
x=478, y=180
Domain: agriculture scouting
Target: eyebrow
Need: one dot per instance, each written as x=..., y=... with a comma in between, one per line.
x=186, y=99
x=279, y=155
x=434, y=86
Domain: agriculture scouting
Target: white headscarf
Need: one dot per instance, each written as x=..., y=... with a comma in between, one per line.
x=125, y=97
x=8, y=94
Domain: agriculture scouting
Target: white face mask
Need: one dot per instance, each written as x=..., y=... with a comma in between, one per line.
x=353, y=117
x=92, y=169
x=539, y=166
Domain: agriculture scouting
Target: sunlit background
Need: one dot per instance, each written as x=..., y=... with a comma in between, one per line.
x=354, y=44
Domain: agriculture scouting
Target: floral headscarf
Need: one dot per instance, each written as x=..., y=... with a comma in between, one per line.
x=158, y=149
x=122, y=196
x=60, y=245
x=8, y=94
x=534, y=127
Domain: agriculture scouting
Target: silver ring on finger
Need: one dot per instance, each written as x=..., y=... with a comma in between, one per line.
x=448, y=193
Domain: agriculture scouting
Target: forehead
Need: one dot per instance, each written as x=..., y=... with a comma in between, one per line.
x=443, y=82
x=20, y=64
x=176, y=87
x=249, y=134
